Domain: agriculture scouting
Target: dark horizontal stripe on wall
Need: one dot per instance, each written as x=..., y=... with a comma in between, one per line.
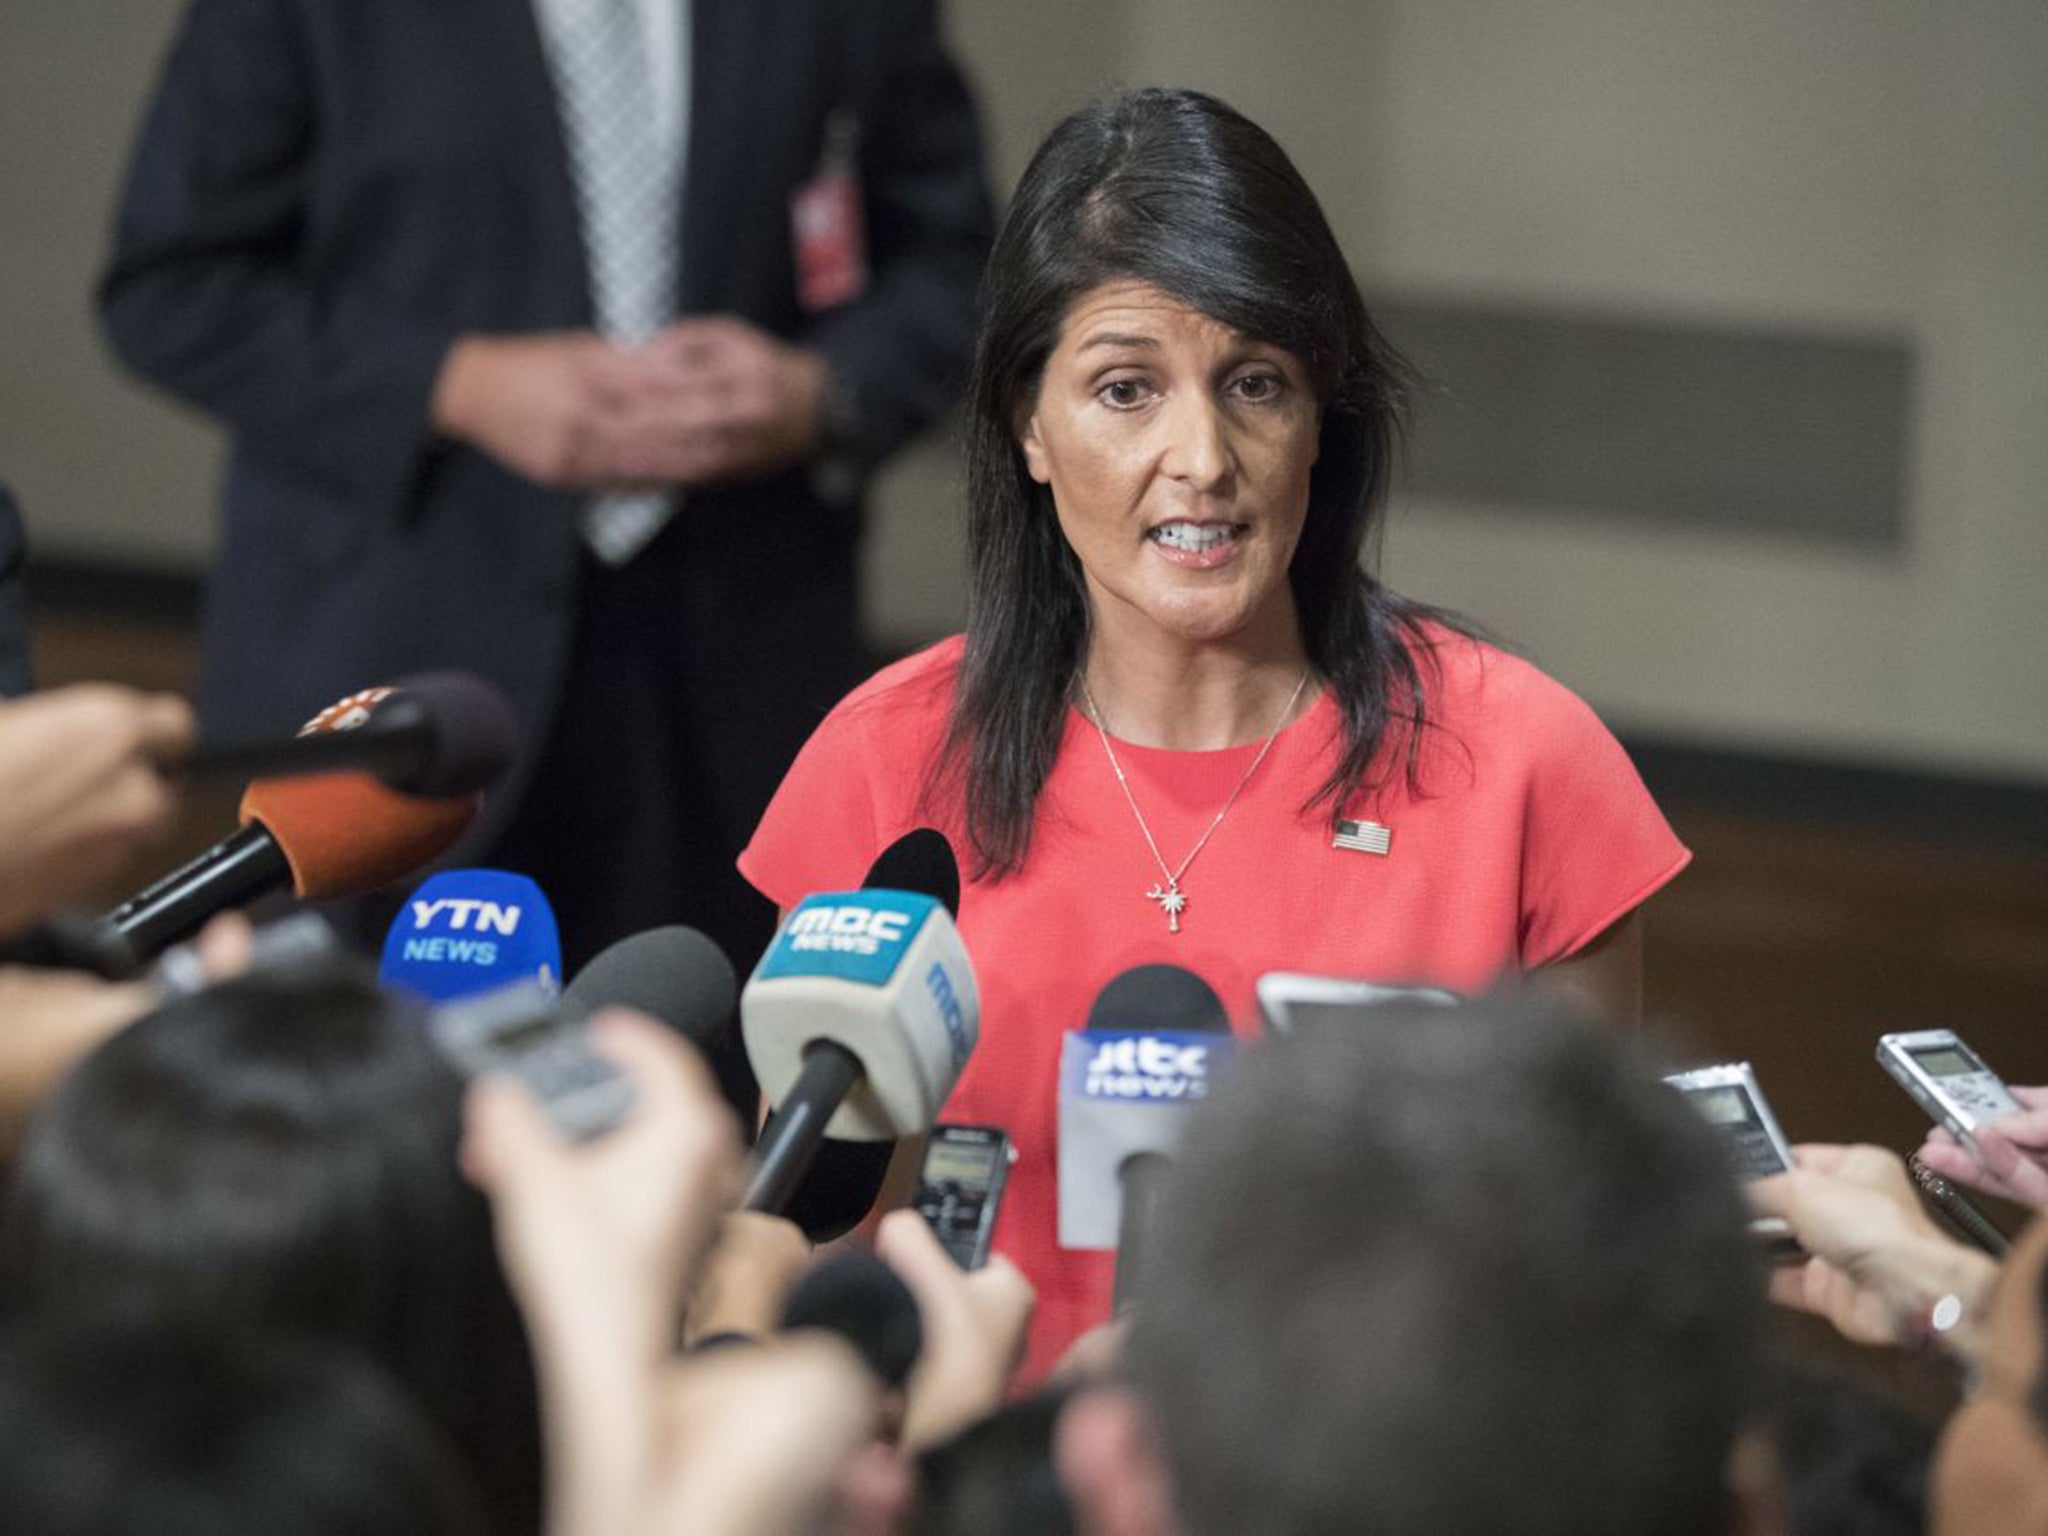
x=95, y=589
x=1984, y=812
x=1659, y=422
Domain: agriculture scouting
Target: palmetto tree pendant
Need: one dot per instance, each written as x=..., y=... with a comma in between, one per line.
x=1172, y=901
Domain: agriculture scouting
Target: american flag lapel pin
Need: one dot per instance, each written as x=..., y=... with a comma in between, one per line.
x=1363, y=837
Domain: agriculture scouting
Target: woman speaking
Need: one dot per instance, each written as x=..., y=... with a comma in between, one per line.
x=1185, y=724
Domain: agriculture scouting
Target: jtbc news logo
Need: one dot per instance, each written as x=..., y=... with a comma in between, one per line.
x=848, y=930
x=473, y=928
x=1154, y=1066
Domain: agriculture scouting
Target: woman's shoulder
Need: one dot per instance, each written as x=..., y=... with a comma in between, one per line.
x=919, y=685
x=1475, y=687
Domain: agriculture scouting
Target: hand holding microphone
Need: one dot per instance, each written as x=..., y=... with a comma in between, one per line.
x=79, y=790
x=335, y=834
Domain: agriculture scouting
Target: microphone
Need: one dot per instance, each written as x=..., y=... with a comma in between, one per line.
x=1156, y=1036
x=326, y=836
x=676, y=974
x=467, y=931
x=437, y=733
x=845, y=1178
x=860, y=1017
x=856, y=1296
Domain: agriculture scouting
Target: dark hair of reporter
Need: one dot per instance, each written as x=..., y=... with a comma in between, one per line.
x=997, y=1477
x=1453, y=1275
x=126, y=1430
x=1174, y=189
x=1853, y=1464
x=280, y=1152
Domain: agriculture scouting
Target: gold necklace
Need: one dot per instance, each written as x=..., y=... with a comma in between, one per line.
x=1171, y=898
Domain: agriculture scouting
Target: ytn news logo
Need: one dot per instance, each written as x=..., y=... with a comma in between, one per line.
x=460, y=914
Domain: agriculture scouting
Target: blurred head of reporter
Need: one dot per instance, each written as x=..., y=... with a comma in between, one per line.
x=1447, y=1276
x=116, y=1428
x=280, y=1151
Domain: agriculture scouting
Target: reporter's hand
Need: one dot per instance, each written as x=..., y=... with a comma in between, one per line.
x=752, y=1442
x=1876, y=1255
x=599, y=1242
x=79, y=790
x=974, y=1330
x=2012, y=1160
x=729, y=402
x=611, y=1229
x=49, y=1020
x=748, y=1276
x=554, y=406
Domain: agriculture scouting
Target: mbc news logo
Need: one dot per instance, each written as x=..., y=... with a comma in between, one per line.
x=847, y=930
x=461, y=915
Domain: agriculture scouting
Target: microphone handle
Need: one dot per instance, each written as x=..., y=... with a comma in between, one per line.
x=794, y=1131
x=1958, y=1212
x=1143, y=1177
x=246, y=864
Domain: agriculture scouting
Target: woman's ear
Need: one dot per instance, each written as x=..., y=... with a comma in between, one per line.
x=1025, y=429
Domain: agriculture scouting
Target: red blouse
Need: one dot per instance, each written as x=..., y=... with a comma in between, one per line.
x=1528, y=835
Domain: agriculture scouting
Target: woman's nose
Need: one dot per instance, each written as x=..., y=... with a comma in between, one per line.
x=1199, y=451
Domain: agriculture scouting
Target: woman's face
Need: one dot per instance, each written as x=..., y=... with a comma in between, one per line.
x=1178, y=454
x=1990, y=1474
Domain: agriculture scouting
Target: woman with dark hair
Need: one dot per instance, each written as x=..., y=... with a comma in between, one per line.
x=1185, y=724
x=278, y=1153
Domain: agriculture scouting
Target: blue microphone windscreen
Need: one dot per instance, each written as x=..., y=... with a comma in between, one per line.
x=472, y=930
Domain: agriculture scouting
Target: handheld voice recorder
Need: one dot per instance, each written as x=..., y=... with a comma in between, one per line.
x=1728, y=1096
x=544, y=1041
x=1947, y=1079
x=960, y=1186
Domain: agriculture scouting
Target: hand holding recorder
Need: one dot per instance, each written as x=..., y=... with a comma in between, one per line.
x=1881, y=1270
x=2012, y=1153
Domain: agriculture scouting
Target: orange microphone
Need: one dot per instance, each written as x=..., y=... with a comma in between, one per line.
x=322, y=835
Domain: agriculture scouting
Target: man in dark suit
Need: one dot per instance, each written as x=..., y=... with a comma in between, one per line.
x=351, y=231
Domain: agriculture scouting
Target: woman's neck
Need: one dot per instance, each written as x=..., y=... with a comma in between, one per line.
x=1195, y=698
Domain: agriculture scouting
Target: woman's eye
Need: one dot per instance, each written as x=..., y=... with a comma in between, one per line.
x=1259, y=387
x=1123, y=394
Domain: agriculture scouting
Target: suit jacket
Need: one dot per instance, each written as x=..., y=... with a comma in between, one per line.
x=325, y=193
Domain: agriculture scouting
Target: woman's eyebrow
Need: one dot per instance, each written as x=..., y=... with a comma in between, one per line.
x=1116, y=339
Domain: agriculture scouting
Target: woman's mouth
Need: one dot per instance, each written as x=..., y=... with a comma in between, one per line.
x=1199, y=545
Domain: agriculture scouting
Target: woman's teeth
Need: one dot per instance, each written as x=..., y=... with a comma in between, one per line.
x=1195, y=538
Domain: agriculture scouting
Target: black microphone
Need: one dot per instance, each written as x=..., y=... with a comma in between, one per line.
x=856, y=1296
x=860, y=1016
x=335, y=835
x=438, y=733
x=677, y=974
x=1146, y=999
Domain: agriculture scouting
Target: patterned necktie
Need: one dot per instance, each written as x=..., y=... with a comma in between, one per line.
x=627, y=186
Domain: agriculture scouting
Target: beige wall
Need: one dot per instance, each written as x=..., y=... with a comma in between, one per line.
x=1867, y=165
